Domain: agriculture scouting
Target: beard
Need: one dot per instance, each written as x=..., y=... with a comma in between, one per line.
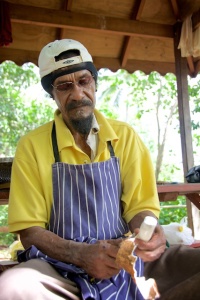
x=81, y=124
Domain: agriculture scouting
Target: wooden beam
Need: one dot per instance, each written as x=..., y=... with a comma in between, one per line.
x=196, y=20
x=127, y=39
x=195, y=199
x=125, y=51
x=66, y=7
x=22, y=56
x=197, y=67
x=187, y=7
x=18, y=56
x=140, y=10
x=183, y=103
x=68, y=4
x=185, y=123
x=175, y=9
x=71, y=20
x=191, y=67
x=170, y=192
x=133, y=65
x=4, y=196
x=180, y=188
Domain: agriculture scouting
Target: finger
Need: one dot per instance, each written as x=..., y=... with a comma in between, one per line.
x=147, y=255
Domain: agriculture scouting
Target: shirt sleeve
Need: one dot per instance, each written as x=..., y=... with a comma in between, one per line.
x=139, y=190
x=27, y=204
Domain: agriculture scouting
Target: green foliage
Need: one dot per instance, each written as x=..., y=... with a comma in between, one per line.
x=134, y=98
x=19, y=113
x=194, y=87
x=5, y=238
x=171, y=173
x=174, y=214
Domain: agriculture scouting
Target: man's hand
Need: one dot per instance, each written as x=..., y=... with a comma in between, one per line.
x=152, y=250
x=98, y=259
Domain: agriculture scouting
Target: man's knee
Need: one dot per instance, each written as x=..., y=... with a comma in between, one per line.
x=20, y=284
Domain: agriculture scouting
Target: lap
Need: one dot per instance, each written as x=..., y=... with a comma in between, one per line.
x=38, y=278
x=186, y=290
x=177, y=273
x=176, y=265
x=44, y=268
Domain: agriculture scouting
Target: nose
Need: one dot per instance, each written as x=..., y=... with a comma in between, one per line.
x=76, y=92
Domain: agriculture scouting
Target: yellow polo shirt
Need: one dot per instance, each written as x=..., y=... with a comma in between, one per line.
x=31, y=192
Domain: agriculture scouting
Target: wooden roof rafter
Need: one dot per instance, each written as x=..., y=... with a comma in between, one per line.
x=135, y=34
x=66, y=7
x=127, y=42
x=175, y=9
x=89, y=22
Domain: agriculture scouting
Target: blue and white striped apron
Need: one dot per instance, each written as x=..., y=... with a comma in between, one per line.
x=87, y=208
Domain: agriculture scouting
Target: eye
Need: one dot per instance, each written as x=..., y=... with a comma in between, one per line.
x=65, y=86
x=84, y=81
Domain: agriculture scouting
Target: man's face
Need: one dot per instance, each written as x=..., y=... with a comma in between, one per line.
x=75, y=97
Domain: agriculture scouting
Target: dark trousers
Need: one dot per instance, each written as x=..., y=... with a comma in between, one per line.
x=177, y=273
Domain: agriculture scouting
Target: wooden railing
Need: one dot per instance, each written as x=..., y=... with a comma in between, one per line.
x=166, y=192
x=4, y=196
x=170, y=192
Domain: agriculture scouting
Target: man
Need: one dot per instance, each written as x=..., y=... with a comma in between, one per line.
x=79, y=183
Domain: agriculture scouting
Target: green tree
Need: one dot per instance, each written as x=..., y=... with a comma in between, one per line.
x=137, y=97
x=19, y=113
x=165, y=103
x=5, y=237
x=194, y=87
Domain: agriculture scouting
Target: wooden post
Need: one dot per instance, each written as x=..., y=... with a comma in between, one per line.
x=185, y=124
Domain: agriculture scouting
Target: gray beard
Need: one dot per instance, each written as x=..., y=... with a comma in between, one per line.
x=83, y=126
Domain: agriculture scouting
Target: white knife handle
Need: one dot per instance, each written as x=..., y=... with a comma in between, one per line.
x=147, y=228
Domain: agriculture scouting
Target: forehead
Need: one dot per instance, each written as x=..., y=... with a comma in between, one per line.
x=72, y=76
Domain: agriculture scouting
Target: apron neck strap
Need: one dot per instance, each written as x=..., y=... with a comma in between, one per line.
x=112, y=153
x=55, y=145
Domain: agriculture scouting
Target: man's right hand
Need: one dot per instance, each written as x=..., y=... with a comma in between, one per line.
x=98, y=260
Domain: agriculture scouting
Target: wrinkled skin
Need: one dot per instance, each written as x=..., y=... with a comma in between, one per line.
x=99, y=259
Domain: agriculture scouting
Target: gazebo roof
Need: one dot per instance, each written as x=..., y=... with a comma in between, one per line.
x=128, y=34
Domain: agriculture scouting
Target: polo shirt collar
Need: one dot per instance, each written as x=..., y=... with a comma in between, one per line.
x=65, y=138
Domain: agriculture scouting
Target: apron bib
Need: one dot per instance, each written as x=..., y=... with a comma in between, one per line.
x=87, y=200
x=86, y=208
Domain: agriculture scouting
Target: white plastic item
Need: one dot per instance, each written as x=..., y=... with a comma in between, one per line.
x=147, y=228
